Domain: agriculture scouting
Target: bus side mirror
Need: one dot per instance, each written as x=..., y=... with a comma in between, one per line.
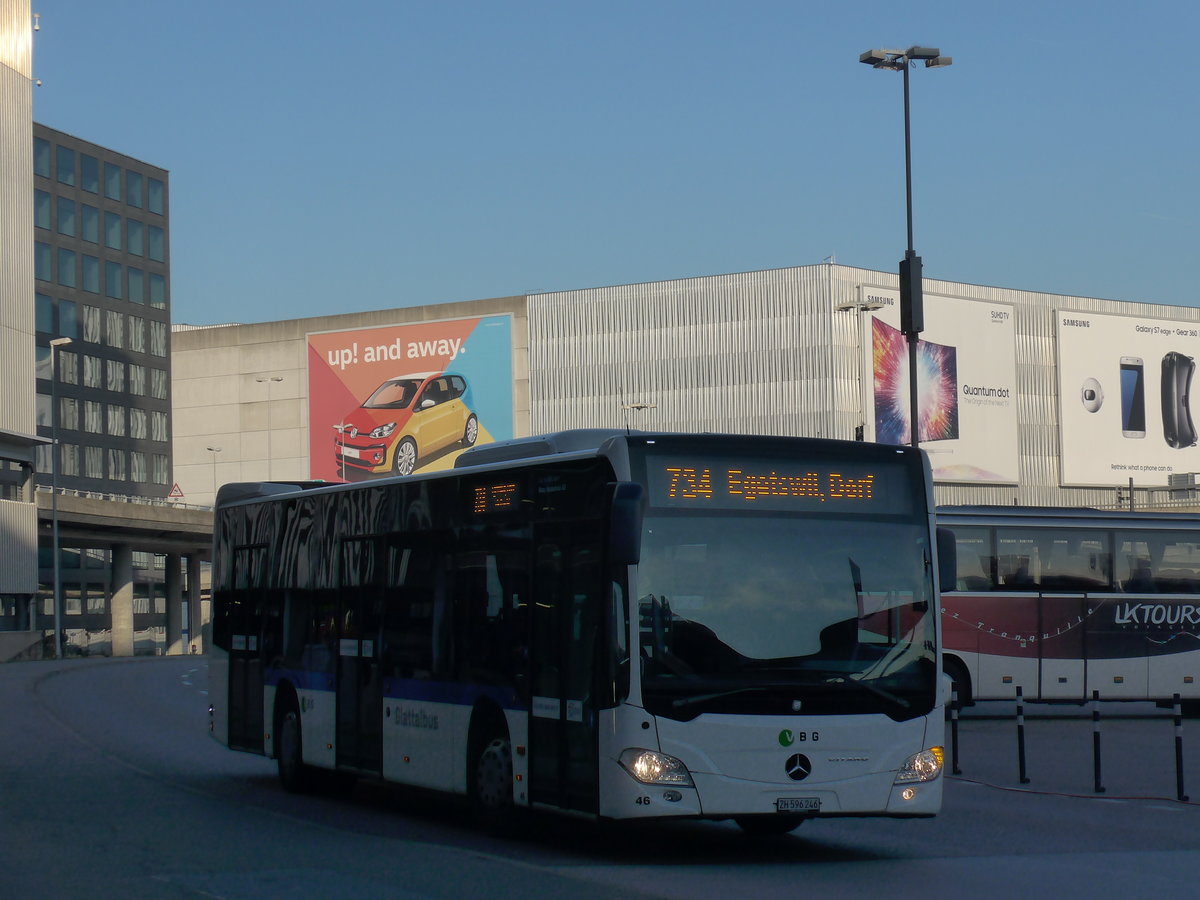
x=947, y=560
x=625, y=523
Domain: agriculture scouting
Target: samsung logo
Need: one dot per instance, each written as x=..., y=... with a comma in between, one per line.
x=1077, y=323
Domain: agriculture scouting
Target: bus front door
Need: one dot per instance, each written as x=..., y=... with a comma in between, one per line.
x=564, y=630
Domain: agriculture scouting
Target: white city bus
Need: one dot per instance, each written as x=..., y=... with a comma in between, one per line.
x=619, y=625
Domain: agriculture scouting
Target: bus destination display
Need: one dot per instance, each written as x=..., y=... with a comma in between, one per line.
x=776, y=484
x=499, y=496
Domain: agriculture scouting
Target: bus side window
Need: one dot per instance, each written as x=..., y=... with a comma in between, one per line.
x=409, y=614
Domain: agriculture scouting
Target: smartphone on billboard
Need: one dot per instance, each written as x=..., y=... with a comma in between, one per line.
x=1133, y=397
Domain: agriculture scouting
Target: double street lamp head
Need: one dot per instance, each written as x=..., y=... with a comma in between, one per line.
x=899, y=59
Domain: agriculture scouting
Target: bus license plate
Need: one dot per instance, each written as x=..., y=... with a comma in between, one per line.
x=798, y=804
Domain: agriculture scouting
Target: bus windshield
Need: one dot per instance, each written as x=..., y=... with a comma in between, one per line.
x=782, y=614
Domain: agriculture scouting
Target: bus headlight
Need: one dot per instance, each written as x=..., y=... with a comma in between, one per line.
x=650, y=767
x=923, y=766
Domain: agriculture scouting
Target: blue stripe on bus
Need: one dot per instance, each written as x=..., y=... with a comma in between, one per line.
x=405, y=688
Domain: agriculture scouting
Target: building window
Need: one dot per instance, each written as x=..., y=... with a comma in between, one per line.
x=137, y=285
x=64, y=159
x=89, y=173
x=68, y=367
x=116, y=464
x=41, y=157
x=115, y=328
x=93, y=417
x=158, y=247
x=112, y=279
x=137, y=382
x=112, y=181
x=68, y=413
x=89, y=223
x=154, y=196
x=41, y=261
x=66, y=267
x=91, y=324
x=112, y=231
x=160, y=468
x=41, y=363
x=69, y=458
x=137, y=332
x=68, y=320
x=41, y=209
x=158, y=338
x=134, y=243
x=66, y=216
x=158, y=425
x=137, y=423
x=158, y=291
x=114, y=380
x=158, y=384
x=91, y=274
x=43, y=411
x=93, y=462
x=116, y=420
x=93, y=371
x=133, y=188
x=137, y=467
x=44, y=313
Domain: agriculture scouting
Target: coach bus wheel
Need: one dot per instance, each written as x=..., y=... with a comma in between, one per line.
x=471, y=432
x=764, y=826
x=294, y=775
x=493, y=780
x=406, y=457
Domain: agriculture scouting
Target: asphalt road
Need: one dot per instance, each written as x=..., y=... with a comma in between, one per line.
x=110, y=787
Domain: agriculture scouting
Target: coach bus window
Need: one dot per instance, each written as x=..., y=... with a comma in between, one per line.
x=976, y=562
x=1148, y=562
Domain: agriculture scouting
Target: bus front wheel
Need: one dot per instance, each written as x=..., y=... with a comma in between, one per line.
x=493, y=779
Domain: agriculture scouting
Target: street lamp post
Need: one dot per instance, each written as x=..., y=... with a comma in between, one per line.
x=912, y=302
x=54, y=463
x=214, y=451
x=269, y=380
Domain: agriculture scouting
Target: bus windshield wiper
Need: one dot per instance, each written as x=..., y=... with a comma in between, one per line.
x=684, y=702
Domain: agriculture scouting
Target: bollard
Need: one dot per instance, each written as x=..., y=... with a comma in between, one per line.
x=1096, y=740
x=1021, y=735
x=954, y=734
x=1182, y=797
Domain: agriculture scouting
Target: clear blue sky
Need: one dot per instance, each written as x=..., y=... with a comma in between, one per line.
x=402, y=153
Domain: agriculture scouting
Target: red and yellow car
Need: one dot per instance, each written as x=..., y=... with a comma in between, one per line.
x=404, y=421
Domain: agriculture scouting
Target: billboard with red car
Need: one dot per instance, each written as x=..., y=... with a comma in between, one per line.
x=404, y=398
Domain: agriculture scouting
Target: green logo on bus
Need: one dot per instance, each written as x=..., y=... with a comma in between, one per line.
x=786, y=738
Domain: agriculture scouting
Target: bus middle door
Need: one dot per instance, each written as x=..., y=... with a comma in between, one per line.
x=359, y=680
x=565, y=627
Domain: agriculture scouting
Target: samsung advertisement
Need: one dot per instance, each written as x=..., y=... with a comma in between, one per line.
x=966, y=384
x=1124, y=397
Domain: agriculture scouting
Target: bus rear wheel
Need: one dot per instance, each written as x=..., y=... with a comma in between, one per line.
x=294, y=775
x=765, y=826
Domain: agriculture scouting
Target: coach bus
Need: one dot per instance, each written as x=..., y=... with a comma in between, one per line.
x=611, y=624
x=1065, y=602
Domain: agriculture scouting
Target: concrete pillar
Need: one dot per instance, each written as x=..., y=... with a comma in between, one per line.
x=195, y=621
x=122, y=600
x=174, y=575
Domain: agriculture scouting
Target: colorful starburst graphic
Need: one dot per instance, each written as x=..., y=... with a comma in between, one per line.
x=937, y=387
